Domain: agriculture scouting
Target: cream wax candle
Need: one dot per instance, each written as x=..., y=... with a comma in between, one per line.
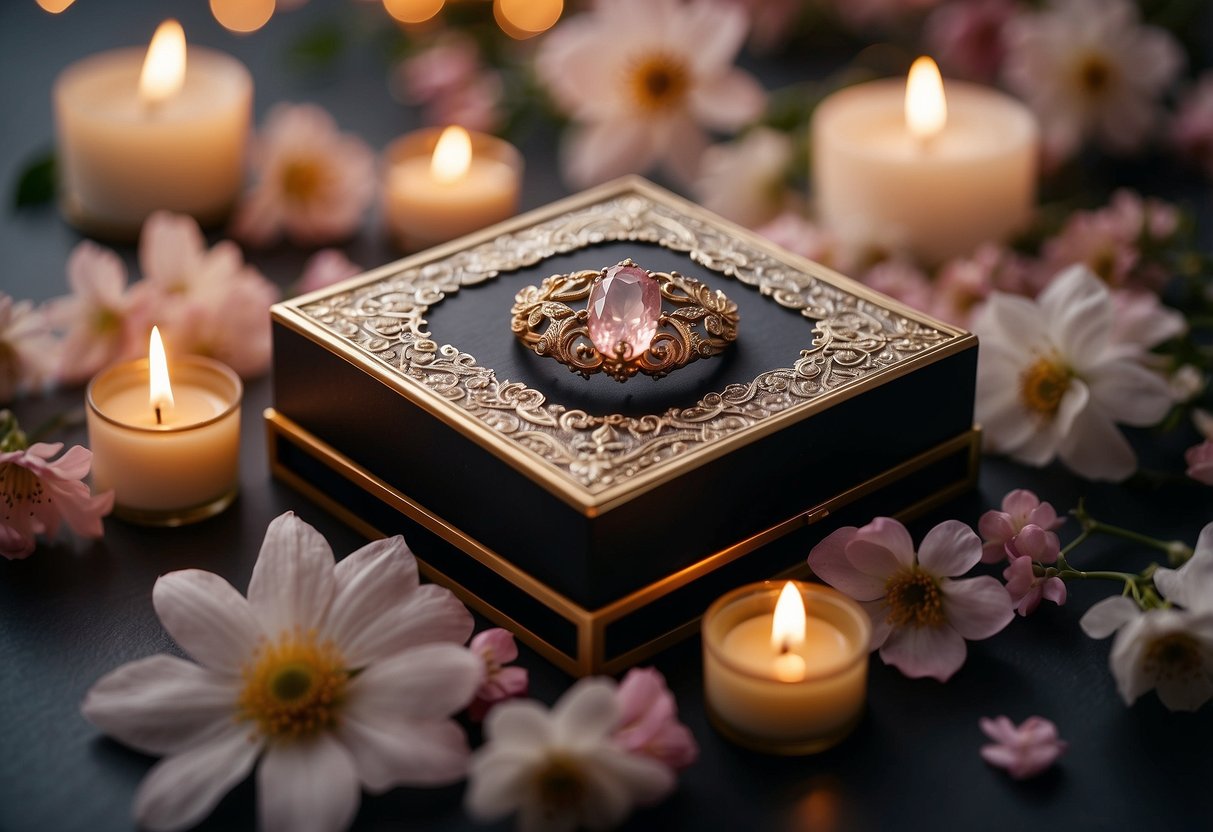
x=166, y=440
x=902, y=166
x=140, y=132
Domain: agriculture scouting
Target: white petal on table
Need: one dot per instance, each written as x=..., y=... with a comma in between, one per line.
x=292, y=582
x=207, y=617
x=401, y=753
x=307, y=786
x=432, y=681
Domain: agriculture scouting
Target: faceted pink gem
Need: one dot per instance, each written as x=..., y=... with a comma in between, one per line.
x=624, y=307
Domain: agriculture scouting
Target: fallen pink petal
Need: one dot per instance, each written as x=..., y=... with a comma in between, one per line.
x=1023, y=750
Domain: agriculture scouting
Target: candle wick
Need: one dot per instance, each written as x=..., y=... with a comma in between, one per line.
x=785, y=648
x=159, y=421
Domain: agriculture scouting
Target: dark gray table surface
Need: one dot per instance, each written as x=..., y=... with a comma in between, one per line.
x=74, y=611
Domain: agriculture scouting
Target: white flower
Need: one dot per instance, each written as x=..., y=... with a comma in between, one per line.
x=332, y=676
x=314, y=182
x=1167, y=649
x=744, y=181
x=1052, y=382
x=561, y=770
x=642, y=79
x=1090, y=68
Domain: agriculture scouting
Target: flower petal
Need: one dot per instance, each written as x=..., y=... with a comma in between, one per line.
x=427, y=682
x=1130, y=394
x=1125, y=658
x=307, y=786
x=368, y=584
x=292, y=581
x=1096, y=449
x=603, y=150
x=161, y=704
x=878, y=612
x=1078, y=306
x=830, y=563
x=976, y=608
x=1108, y=616
x=405, y=753
x=182, y=789
x=207, y=617
x=618, y=782
x=949, y=549
x=498, y=781
x=937, y=652
x=519, y=723
x=588, y=712
x=427, y=615
x=729, y=101
x=1191, y=586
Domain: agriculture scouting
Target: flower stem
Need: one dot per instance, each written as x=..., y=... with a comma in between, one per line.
x=1177, y=551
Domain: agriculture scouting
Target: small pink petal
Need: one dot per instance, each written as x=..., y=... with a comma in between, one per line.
x=937, y=652
x=950, y=549
x=1023, y=751
x=976, y=607
x=1020, y=502
x=1036, y=544
x=829, y=561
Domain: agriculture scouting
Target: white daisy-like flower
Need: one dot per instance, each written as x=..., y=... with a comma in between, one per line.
x=643, y=79
x=745, y=180
x=1053, y=382
x=331, y=675
x=561, y=769
x=1165, y=649
x=1089, y=68
x=314, y=183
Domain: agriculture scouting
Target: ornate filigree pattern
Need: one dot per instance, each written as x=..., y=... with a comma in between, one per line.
x=677, y=342
x=851, y=337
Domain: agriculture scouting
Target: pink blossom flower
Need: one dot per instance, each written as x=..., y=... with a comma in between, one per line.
x=29, y=352
x=877, y=14
x=648, y=720
x=1026, y=588
x=1139, y=319
x=1200, y=462
x=661, y=75
x=451, y=84
x=324, y=268
x=98, y=318
x=206, y=301
x=744, y=180
x=1098, y=241
x=921, y=614
x=799, y=235
x=1192, y=129
x=37, y=492
x=902, y=281
x=1020, y=509
x=1024, y=750
x=966, y=37
x=496, y=647
x=314, y=183
x=964, y=284
x=1091, y=69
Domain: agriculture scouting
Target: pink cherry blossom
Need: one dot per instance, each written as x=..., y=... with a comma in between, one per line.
x=799, y=235
x=206, y=301
x=451, y=84
x=1192, y=129
x=1027, y=588
x=902, y=281
x=966, y=36
x=963, y=284
x=660, y=78
x=324, y=268
x=1024, y=750
x=29, y=353
x=1200, y=462
x=37, y=492
x=496, y=647
x=648, y=720
x=100, y=318
x=1020, y=508
x=314, y=183
x=921, y=612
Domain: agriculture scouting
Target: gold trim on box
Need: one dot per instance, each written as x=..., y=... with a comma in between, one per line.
x=858, y=340
x=590, y=624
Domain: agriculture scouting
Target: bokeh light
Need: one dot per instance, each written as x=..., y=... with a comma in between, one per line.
x=413, y=11
x=521, y=19
x=55, y=6
x=242, y=15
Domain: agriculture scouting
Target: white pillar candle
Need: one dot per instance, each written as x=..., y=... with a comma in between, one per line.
x=138, y=133
x=895, y=169
x=169, y=450
x=444, y=184
x=785, y=666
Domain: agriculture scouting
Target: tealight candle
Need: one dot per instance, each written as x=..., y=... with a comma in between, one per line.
x=444, y=184
x=785, y=666
x=168, y=444
x=902, y=165
x=138, y=133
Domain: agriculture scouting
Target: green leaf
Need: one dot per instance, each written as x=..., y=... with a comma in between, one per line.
x=37, y=183
x=318, y=47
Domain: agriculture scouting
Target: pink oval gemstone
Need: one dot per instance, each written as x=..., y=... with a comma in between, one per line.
x=624, y=307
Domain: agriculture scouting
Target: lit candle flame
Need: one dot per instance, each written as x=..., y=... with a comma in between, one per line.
x=787, y=631
x=164, y=67
x=452, y=155
x=160, y=391
x=926, y=107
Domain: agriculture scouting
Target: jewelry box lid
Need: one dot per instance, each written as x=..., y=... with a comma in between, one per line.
x=855, y=340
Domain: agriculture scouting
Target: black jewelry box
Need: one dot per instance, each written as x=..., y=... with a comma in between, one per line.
x=598, y=519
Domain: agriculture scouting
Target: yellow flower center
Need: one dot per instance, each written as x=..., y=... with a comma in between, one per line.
x=1173, y=656
x=1043, y=385
x=659, y=82
x=914, y=599
x=18, y=486
x=1094, y=75
x=301, y=179
x=294, y=687
x=561, y=785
